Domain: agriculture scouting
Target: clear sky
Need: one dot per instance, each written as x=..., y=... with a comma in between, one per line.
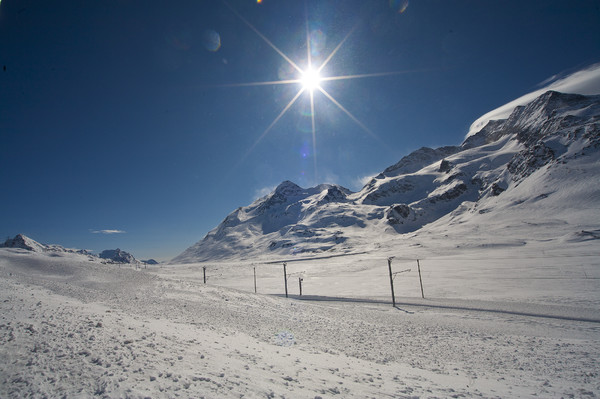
x=130, y=124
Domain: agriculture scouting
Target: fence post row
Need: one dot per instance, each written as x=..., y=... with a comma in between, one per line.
x=300, y=279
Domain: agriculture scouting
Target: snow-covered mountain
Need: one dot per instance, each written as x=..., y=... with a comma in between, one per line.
x=118, y=256
x=21, y=241
x=542, y=162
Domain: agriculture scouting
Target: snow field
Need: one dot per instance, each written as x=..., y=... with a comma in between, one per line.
x=72, y=328
x=494, y=273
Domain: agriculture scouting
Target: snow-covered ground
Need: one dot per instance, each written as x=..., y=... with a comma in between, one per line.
x=498, y=320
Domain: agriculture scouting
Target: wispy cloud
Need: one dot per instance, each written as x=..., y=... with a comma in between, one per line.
x=261, y=192
x=329, y=177
x=360, y=181
x=551, y=79
x=108, y=231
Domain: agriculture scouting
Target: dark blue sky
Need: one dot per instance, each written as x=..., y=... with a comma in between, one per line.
x=120, y=115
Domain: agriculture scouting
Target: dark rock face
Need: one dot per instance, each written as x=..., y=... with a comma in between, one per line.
x=396, y=214
x=453, y=193
x=496, y=189
x=445, y=166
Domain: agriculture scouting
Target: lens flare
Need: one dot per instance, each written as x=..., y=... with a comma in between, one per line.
x=317, y=42
x=211, y=40
x=399, y=5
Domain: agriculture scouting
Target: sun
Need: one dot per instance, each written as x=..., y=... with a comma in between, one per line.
x=310, y=79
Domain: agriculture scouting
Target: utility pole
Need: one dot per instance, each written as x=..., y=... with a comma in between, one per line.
x=300, y=279
x=204, y=273
x=255, y=279
x=392, y=281
x=421, y=281
x=285, y=278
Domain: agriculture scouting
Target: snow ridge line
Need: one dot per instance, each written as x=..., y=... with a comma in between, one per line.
x=290, y=260
x=319, y=298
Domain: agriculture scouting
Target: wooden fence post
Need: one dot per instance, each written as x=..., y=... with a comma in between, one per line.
x=204, y=273
x=420, y=280
x=392, y=281
x=285, y=278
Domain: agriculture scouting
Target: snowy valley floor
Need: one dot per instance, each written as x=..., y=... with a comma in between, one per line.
x=72, y=328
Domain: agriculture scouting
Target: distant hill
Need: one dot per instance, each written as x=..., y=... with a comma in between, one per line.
x=118, y=256
x=21, y=241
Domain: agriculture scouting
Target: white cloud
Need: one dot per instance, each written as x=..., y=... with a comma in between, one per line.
x=586, y=81
x=360, y=181
x=108, y=231
x=261, y=192
x=330, y=177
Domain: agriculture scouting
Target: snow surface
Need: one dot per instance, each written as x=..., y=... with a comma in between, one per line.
x=499, y=319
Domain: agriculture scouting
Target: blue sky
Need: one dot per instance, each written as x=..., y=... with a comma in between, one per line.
x=134, y=116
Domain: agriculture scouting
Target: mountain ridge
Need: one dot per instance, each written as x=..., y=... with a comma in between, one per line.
x=21, y=241
x=426, y=186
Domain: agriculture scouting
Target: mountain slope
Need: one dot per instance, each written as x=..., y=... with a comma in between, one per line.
x=542, y=160
x=21, y=241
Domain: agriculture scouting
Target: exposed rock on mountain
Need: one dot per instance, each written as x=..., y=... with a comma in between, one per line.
x=24, y=242
x=118, y=256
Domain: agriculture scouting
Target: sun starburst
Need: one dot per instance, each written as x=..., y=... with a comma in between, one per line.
x=310, y=80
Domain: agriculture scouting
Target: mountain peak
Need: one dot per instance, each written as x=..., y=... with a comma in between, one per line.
x=419, y=158
x=545, y=113
x=288, y=189
x=24, y=242
x=118, y=255
x=551, y=101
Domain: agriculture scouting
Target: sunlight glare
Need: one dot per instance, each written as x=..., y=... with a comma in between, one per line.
x=310, y=79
